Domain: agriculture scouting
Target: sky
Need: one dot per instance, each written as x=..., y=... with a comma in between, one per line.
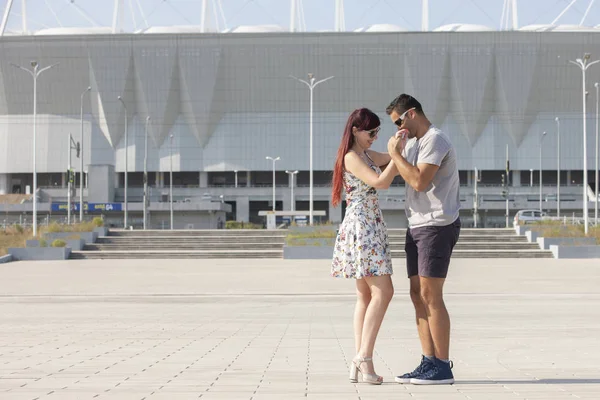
x=319, y=14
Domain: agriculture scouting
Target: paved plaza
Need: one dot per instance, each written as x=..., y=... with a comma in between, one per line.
x=279, y=330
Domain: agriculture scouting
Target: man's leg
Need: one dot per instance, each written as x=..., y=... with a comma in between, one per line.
x=412, y=262
x=437, y=315
x=421, y=315
x=435, y=245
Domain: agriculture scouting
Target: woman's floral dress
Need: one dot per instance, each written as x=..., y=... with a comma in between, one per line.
x=362, y=246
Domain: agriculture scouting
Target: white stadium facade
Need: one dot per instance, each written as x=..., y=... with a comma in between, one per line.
x=215, y=105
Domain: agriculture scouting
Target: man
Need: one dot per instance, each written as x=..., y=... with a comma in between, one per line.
x=426, y=159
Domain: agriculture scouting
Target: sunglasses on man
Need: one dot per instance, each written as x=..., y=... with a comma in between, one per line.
x=400, y=119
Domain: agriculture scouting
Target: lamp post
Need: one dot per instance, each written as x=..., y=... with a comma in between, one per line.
x=596, y=191
x=34, y=74
x=557, y=167
x=81, y=158
x=146, y=173
x=541, y=141
x=584, y=64
x=273, y=159
x=171, y=179
x=293, y=202
x=311, y=84
x=126, y=170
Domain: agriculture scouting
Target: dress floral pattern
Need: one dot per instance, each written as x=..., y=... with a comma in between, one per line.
x=362, y=245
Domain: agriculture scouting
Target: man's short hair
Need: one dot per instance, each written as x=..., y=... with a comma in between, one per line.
x=402, y=103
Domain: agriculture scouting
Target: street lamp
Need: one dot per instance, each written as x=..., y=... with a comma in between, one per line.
x=81, y=158
x=171, y=180
x=34, y=74
x=596, y=191
x=126, y=151
x=584, y=65
x=558, y=167
x=292, y=174
x=311, y=85
x=273, y=159
x=541, y=141
x=146, y=174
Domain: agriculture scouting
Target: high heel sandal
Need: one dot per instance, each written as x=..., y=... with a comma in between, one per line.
x=372, y=379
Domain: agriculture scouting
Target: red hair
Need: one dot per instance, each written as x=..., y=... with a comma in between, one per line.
x=363, y=119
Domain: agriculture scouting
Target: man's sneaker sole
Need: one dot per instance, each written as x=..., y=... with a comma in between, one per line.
x=402, y=380
x=416, y=381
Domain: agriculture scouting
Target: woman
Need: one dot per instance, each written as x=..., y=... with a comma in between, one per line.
x=361, y=247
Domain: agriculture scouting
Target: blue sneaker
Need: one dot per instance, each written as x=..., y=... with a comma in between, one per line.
x=439, y=374
x=425, y=365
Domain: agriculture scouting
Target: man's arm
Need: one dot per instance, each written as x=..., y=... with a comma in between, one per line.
x=430, y=158
x=418, y=177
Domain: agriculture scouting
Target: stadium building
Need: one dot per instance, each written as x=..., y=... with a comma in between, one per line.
x=211, y=106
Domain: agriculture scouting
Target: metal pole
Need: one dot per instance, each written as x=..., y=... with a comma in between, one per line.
x=81, y=160
x=596, y=191
x=584, y=65
x=171, y=181
x=69, y=181
x=507, y=180
x=311, y=84
x=236, y=178
x=558, y=167
x=35, y=75
x=310, y=181
x=126, y=161
x=541, y=141
x=273, y=160
x=146, y=174
x=585, y=172
x=476, y=199
x=273, y=185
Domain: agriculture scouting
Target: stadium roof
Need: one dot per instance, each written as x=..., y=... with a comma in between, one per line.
x=85, y=17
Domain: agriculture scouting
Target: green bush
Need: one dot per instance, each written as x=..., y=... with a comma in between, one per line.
x=43, y=243
x=59, y=243
x=19, y=228
x=98, y=222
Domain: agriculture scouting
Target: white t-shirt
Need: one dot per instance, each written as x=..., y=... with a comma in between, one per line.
x=439, y=203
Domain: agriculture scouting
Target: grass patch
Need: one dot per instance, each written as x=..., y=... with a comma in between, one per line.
x=17, y=236
x=553, y=229
x=319, y=236
x=13, y=237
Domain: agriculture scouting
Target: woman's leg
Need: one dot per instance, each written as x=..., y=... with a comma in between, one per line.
x=382, y=291
x=363, y=298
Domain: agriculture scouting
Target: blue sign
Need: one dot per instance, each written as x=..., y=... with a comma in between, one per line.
x=89, y=207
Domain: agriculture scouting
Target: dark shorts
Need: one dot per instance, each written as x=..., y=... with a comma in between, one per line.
x=429, y=248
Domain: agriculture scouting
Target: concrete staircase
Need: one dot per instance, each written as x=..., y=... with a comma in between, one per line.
x=480, y=243
x=166, y=244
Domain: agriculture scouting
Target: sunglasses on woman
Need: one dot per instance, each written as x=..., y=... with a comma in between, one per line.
x=373, y=132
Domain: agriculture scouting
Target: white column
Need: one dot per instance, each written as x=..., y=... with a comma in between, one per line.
x=203, y=179
x=242, y=208
x=335, y=213
x=516, y=178
x=248, y=180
